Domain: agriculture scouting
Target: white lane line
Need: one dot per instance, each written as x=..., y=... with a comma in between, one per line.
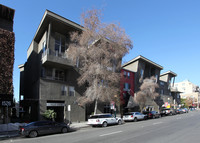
x=157, y=123
x=110, y=133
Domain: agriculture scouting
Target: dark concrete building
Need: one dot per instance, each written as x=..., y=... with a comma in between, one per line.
x=169, y=93
x=144, y=68
x=48, y=79
x=7, y=42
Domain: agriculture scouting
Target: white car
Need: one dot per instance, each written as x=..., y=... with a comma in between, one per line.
x=103, y=120
x=134, y=116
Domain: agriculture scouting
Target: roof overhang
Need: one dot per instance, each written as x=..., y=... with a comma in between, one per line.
x=144, y=59
x=50, y=16
x=170, y=73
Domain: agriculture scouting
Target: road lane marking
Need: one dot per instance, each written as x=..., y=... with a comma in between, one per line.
x=157, y=123
x=110, y=133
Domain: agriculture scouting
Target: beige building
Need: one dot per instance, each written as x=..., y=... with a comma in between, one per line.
x=189, y=90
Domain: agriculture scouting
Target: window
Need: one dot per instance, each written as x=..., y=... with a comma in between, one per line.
x=127, y=86
x=59, y=44
x=161, y=91
x=59, y=75
x=49, y=73
x=162, y=83
x=124, y=73
x=141, y=73
x=71, y=91
x=22, y=97
x=128, y=74
x=44, y=47
x=64, y=90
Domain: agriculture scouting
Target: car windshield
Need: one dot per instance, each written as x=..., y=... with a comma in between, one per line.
x=128, y=113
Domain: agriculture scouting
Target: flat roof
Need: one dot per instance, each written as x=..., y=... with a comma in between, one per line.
x=144, y=59
x=169, y=72
x=48, y=16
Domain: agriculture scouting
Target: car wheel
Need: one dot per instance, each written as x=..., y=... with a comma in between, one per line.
x=119, y=122
x=105, y=124
x=33, y=134
x=135, y=119
x=64, y=130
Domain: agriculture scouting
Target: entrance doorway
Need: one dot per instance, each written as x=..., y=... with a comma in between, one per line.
x=59, y=113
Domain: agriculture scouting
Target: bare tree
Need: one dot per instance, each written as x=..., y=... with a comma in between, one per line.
x=97, y=51
x=147, y=91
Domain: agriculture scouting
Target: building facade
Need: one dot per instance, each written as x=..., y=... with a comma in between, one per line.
x=168, y=92
x=127, y=85
x=144, y=68
x=7, y=42
x=48, y=79
x=189, y=90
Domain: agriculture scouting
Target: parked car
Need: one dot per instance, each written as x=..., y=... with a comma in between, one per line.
x=37, y=128
x=179, y=111
x=134, y=116
x=168, y=111
x=152, y=114
x=103, y=120
x=185, y=110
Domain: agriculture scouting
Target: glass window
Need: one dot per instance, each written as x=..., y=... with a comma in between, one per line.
x=71, y=91
x=128, y=74
x=124, y=73
x=48, y=72
x=64, y=90
x=44, y=46
x=59, y=44
x=59, y=75
x=141, y=73
x=127, y=86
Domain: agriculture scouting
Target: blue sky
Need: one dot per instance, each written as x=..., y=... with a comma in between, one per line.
x=164, y=31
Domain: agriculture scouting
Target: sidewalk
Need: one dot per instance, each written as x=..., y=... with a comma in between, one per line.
x=15, y=133
x=76, y=125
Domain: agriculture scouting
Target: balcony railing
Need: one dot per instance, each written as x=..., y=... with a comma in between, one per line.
x=56, y=57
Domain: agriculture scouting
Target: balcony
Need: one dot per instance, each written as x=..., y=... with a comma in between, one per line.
x=173, y=89
x=55, y=58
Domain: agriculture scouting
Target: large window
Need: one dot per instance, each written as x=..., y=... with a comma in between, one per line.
x=59, y=75
x=71, y=91
x=59, y=44
x=127, y=86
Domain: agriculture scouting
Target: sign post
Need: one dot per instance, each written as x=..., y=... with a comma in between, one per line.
x=69, y=109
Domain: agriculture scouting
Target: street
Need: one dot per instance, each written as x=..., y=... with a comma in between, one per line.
x=182, y=128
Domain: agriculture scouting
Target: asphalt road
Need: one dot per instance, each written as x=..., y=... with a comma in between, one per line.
x=184, y=128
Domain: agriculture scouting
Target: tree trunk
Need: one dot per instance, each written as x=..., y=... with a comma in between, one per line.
x=95, y=107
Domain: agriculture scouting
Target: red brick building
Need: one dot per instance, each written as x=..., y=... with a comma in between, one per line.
x=127, y=84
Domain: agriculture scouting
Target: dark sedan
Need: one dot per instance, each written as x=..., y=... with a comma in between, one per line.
x=152, y=114
x=34, y=129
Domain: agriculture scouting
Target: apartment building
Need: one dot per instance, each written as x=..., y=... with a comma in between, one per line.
x=168, y=92
x=48, y=79
x=127, y=85
x=189, y=90
x=144, y=68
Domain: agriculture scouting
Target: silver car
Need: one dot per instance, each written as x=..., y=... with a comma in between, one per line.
x=103, y=120
x=134, y=116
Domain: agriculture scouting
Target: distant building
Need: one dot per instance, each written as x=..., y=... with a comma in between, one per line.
x=168, y=92
x=189, y=90
x=144, y=68
x=7, y=42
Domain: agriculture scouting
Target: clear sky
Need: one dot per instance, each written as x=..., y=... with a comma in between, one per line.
x=164, y=31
